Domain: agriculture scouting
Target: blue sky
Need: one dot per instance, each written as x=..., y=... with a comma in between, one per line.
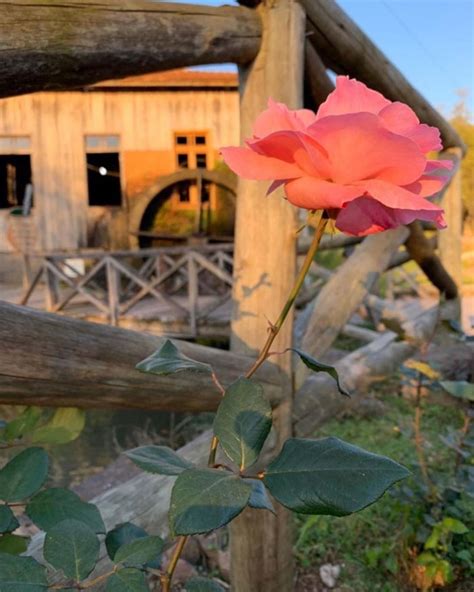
x=430, y=41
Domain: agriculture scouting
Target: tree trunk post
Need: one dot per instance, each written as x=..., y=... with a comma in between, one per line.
x=264, y=271
x=450, y=239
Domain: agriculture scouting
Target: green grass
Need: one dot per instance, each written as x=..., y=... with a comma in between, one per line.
x=370, y=544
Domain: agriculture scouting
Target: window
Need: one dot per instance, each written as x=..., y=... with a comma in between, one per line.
x=15, y=179
x=103, y=179
x=183, y=161
x=201, y=161
x=191, y=150
x=102, y=143
x=183, y=192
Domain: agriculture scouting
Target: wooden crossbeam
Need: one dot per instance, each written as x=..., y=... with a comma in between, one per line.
x=57, y=361
x=57, y=45
x=346, y=49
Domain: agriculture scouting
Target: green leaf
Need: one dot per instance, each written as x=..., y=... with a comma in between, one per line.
x=242, y=422
x=54, y=505
x=23, y=424
x=159, y=459
x=258, y=496
x=21, y=574
x=140, y=551
x=8, y=522
x=72, y=547
x=205, y=499
x=316, y=366
x=65, y=426
x=168, y=360
x=127, y=580
x=121, y=535
x=13, y=544
x=452, y=525
x=329, y=476
x=199, y=584
x=459, y=388
x=23, y=475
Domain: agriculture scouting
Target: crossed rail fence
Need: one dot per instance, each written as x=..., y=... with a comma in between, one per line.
x=116, y=282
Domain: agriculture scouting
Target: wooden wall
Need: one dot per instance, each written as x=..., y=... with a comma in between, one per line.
x=145, y=121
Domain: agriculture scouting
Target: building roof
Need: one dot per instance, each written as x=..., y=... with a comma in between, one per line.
x=173, y=79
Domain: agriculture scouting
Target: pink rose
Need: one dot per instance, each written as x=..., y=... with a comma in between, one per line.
x=360, y=157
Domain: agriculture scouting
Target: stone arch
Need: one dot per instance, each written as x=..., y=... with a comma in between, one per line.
x=143, y=201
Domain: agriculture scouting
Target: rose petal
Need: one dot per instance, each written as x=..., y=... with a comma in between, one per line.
x=401, y=119
x=248, y=164
x=315, y=194
x=297, y=147
x=351, y=96
x=359, y=147
x=395, y=197
x=278, y=117
x=365, y=216
x=436, y=165
x=275, y=185
x=427, y=185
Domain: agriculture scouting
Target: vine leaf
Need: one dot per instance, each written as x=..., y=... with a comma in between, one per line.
x=8, y=522
x=459, y=388
x=23, y=424
x=72, y=547
x=13, y=544
x=21, y=574
x=159, y=459
x=243, y=421
x=65, y=426
x=127, y=580
x=329, y=476
x=23, y=475
x=49, y=507
x=168, y=360
x=205, y=499
x=140, y=551
x=316, y=366
x=258, y=496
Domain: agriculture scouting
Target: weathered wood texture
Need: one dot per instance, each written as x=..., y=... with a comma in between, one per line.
x=346, y=49
x=318, y=85
x=346, y=290
x=52, y=360
x=450, y=239
x=422, y=251
x=264, y=271
x=59, y=45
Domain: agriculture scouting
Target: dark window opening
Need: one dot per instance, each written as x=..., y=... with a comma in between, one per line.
x=181, y=139
x=183, y=192
x=15, y=176
x=183, y=161
x=201, y=161
x=103, y=179
x=200, y=140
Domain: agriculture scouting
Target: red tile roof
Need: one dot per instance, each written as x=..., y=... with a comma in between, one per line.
x=174, y=78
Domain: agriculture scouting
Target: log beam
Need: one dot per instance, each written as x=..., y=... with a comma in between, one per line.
x=52, y=45
x=57, y=361
x=346, y=49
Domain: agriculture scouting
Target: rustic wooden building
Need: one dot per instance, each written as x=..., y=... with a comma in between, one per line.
x=109, y=160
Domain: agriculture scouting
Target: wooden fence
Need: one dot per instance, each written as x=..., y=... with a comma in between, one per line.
x=186, y=283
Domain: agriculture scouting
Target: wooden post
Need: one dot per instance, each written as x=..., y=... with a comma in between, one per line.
x=192, y=293
x=113, y=291
x=450, y=239
x=261, y=544
x=52, y=287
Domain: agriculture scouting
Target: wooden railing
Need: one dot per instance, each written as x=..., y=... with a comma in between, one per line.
x=185, y=283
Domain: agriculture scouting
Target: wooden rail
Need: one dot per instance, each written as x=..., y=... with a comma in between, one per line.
x=52, y=360
x=115, y=283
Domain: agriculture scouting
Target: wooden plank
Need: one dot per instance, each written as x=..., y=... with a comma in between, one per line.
x=346, y=49
x=113, y=39
x=53, y=360
x=264, y=271
x=346, y=290
x=450, y=239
